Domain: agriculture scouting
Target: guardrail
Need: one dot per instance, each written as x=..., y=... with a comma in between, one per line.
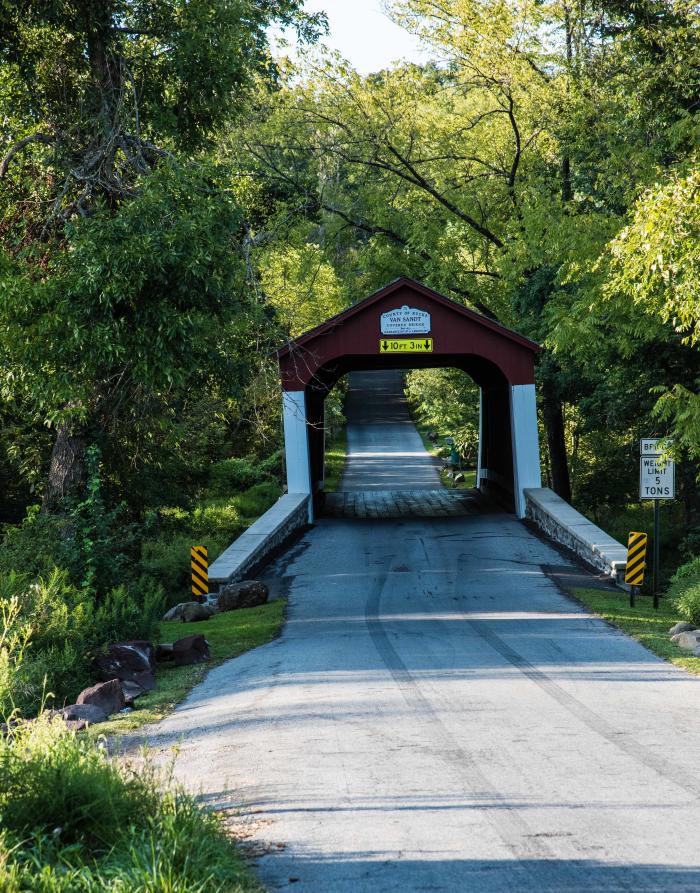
x=289, y=514
x=563, y=524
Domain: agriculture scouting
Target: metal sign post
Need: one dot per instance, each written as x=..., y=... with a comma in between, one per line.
x=657, y=551
x=657, y=481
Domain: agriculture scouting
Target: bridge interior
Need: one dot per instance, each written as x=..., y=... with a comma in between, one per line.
x=388, y=472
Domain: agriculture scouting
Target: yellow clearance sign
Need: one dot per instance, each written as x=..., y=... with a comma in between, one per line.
x=406, y=345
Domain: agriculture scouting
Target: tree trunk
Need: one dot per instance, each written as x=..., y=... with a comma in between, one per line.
x=553, y=416
x=66, y=469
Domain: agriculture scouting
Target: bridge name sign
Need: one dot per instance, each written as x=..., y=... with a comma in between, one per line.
x=405, y=321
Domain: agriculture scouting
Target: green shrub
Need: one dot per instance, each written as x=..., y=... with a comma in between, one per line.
x=257, y=500
x=14, y=636
x=688, y=604
x=218, y=517
x=92, y=542
x=214, y=522
x=231, y=476
x=33, y=547
x=688, y=571
x=72, y=820
x=165, y=561
x=67, y=627
x=684, y=590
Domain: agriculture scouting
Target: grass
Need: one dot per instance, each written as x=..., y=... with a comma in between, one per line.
x=336, y=451
x=229, y=634
x=648, y=626
x=74, y=820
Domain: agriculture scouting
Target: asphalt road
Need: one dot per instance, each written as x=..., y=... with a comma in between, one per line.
x=385, y=452
x=438, y=716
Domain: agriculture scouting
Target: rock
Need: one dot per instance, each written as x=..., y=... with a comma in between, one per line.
x=687, y=640
x=175, y=613
x=108, y=696
x=190, y=650
x=696, y=650
x=459, y=478
x=189, y=612
x=87, y=713
x=75, y=725
x=164, y=653
x=133, y=689
x=194, y=612
x=242, y=595
x=130, y=662
x=682, y=627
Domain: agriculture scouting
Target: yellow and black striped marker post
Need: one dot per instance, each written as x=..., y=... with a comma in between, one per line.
x=636, y=561
x=199, y=560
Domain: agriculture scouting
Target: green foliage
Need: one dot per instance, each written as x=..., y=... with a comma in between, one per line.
x=131, y=312
x=229, y=476
x=688, y=603
x=336, y=450
x=684, y=590
x=302, y=286
x=73, y=819
x=213, y=521
x=447, y=400
x=60, y=628
x=257, y=500
x=34, y=547
x=97, y=542
x=14, y=636
x=165, y=560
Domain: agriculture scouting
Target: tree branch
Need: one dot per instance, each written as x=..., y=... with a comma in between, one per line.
x=46, y=138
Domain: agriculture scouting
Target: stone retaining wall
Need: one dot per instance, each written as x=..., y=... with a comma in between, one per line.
x=562, y=523
x=288, y=515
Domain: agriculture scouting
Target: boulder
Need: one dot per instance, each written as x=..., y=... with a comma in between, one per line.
x=133, y=689
x=688, y=640
x=459, y=478
x=194, y=612
x=75, y=725
x=190, y=650
x=242, y=595
x=190, y=612
x=682, y=627
x=175, y=613
x=128, y=662
x=696, y=650
x=87, y=713
x=108, y=696
x=164, y=652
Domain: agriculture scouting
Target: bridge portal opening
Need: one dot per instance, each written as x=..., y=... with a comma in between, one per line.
x=408, y=326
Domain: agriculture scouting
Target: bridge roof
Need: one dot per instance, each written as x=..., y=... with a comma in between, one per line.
x=350, y=339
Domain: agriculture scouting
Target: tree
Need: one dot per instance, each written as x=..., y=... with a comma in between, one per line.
x=123, y=278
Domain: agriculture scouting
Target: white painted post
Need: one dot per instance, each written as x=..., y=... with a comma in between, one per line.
x=526, y=447
x=480, y=447
x=296, y=444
